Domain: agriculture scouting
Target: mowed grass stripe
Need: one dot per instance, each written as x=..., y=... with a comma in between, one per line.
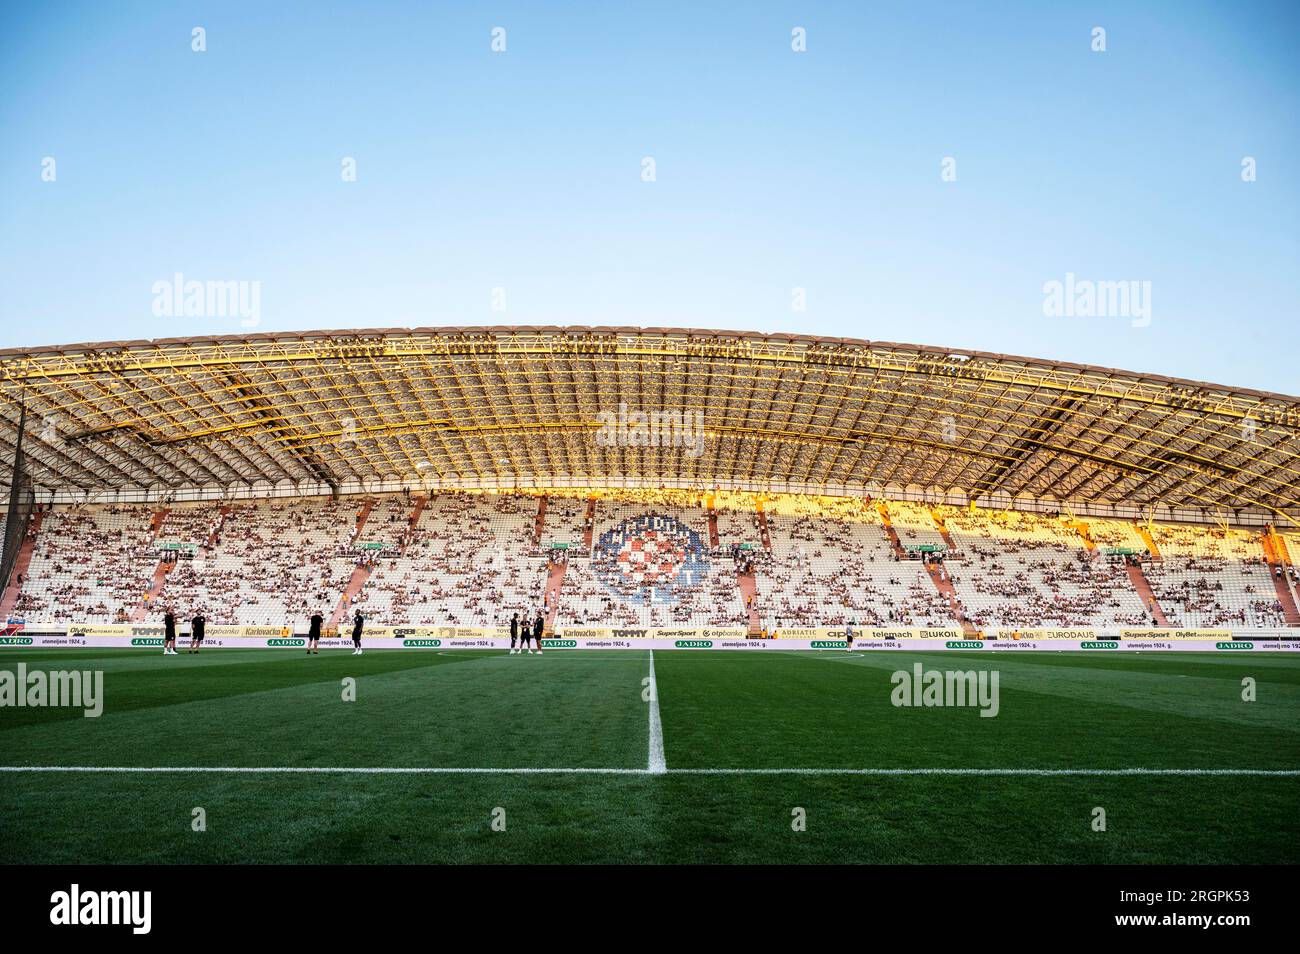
x=783, y=710
x=461, y=770
x=640, y=818
x=1282, y=668
x=484, y=710
x=1148, y=690
x=159, y=681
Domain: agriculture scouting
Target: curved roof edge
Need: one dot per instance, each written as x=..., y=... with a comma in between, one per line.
x=710, y=333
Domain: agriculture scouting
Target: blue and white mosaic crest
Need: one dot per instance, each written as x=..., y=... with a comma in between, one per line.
x=647, y=559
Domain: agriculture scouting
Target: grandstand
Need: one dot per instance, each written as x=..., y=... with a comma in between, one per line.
x=466, y=555
x=260, y=478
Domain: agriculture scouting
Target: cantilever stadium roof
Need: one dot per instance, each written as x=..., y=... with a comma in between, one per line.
x=520, y=406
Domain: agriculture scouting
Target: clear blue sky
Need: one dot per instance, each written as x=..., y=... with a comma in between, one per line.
x=775, y=170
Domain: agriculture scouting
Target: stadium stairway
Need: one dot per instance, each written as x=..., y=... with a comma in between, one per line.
x=713, y=526
x=412, y=522
x=1139, y=581
x=359, y=574
x=357, y=581
x=1276, y=555
x=1135, y=574
x=762, y=525
x=944, y=585
x=590, y=532
x=943, y=531
x=1279, y=545
x=540, y=523
x=1085, y=534
x=942, y=582
x=211, y=541
x=162, y=571
x=355, y=584
x=554, y=584
x=749, y=597
x=159, y=572
x=155, y=525
x=10, y=596
x=362, y=516
x=1288, y=560
x=1149, y=540
x=894, y=542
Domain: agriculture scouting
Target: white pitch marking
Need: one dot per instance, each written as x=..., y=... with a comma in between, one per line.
x=450, y=770
x=656, y=764
x=318, y=770
x=1037, y=773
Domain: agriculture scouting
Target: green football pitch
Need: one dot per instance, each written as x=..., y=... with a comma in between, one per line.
x=767, y=756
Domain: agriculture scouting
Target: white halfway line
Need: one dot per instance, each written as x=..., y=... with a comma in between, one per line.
x=655, y=764
x=447, y=770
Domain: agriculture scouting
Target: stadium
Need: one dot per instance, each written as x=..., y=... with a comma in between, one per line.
x=737, y=549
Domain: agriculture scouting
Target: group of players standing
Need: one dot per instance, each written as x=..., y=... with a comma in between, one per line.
x=198, y=627
x=318, y=620
x=521, y=631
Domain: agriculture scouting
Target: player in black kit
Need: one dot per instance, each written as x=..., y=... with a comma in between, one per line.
x=514, y=632
x=169, y=634
x=313, y=633
x=538, y=625
x=196, y=632
x=358, y=623
x=525, y=634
